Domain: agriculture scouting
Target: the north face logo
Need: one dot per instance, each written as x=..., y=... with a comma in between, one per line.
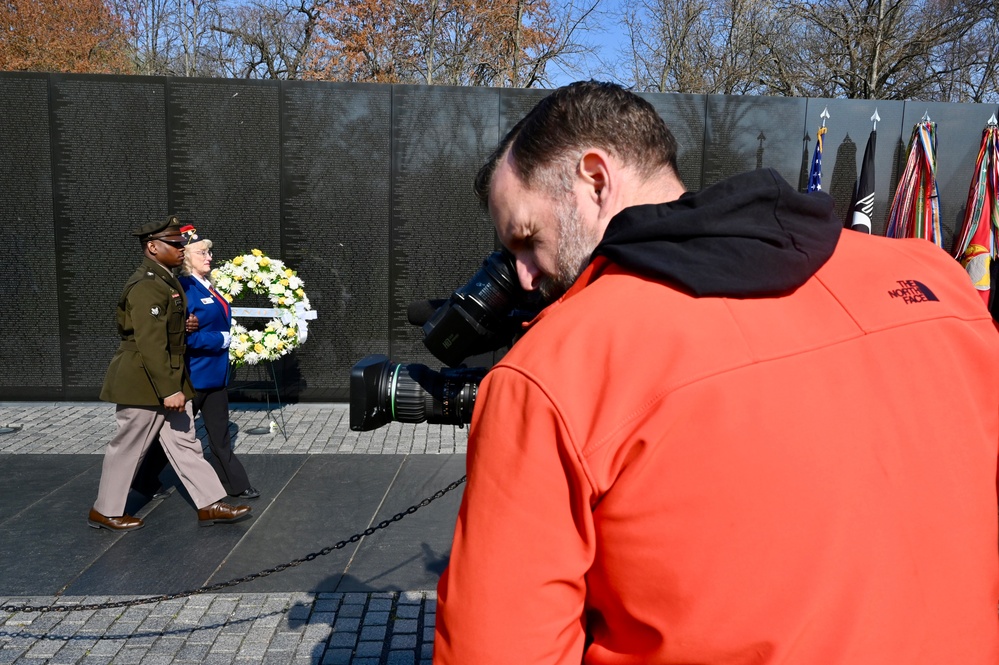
x=911, y=291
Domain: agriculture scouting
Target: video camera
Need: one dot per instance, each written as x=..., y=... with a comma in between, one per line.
x=482, y=316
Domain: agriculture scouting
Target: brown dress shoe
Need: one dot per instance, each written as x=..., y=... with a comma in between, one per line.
x=220, y=511
x=123, y=523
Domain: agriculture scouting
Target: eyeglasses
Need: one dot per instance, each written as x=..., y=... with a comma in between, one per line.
x=176, y=244
x=203, y=252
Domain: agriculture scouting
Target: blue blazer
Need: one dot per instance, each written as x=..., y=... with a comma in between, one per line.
x=207, y=362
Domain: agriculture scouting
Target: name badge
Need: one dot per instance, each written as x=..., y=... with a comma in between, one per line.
x=207, y=301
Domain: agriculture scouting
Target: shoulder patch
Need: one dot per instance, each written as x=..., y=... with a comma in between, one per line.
x=155, y=311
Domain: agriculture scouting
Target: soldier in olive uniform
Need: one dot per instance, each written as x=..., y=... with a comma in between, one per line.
x=149, y=383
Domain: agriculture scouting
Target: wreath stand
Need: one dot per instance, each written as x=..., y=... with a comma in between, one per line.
x=261, y=384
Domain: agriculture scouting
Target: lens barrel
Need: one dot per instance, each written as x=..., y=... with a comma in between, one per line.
x=382, y=392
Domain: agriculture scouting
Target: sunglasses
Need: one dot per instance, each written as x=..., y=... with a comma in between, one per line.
x=176, y=244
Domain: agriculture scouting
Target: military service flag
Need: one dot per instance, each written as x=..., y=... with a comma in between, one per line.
x=976, y=247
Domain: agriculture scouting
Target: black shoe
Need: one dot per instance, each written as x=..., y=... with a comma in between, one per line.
x=248, y=493
x=162, y=493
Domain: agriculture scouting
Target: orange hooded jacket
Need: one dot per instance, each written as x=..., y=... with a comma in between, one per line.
x=803, y=476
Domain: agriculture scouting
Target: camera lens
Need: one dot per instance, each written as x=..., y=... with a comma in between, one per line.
x=382, y=392
x=421, y=394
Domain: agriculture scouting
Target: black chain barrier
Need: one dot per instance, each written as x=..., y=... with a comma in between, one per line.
x=239, y=580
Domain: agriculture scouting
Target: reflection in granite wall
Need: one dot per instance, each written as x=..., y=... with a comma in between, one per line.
x=364, y=189
x=440, y=234
x=109, y=162
x=336, y=193
x=28, y=282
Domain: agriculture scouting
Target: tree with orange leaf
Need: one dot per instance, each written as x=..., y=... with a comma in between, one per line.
x=78, y=36
x=446, y=42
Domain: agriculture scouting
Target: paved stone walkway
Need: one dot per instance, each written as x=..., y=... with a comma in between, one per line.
x=379, y=628
x=331, y=628
x=86, y=427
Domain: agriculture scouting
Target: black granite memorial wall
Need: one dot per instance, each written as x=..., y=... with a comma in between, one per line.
x=363, y=189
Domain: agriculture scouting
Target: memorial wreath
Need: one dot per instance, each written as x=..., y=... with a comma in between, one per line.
x=287, y=330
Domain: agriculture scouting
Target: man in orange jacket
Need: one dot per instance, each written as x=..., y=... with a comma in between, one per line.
x=740, y=434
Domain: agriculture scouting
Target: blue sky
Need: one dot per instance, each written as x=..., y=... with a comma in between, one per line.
x=608, y=37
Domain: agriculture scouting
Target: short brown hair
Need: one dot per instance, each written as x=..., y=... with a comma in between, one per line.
x=580, y=115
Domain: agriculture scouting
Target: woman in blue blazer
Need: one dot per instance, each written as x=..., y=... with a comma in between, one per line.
x=207, y=360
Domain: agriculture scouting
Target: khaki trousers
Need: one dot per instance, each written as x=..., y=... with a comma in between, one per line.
x=138, y=427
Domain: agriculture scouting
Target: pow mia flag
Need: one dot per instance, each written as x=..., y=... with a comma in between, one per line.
x=862, y=209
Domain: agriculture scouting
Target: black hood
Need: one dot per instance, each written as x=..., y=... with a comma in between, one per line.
x=748, y=236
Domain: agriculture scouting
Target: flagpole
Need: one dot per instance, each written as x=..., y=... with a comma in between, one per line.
x=815, y=174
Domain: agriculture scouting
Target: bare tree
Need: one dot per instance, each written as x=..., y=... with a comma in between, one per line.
x=701, y=46
x=543, y=32
x=888, y=49
x=149, y=26
x=268, y=39
x=972, y=63
x=884, y=49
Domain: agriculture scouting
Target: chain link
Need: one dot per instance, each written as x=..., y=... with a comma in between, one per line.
x=239, y=580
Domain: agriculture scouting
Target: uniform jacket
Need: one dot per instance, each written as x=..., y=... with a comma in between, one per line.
x=207, y=359
x=743, y=436
x=149, y=363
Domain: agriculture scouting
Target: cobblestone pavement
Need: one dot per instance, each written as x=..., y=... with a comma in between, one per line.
x=86, y=427
x=274, y=628
x=379, y=628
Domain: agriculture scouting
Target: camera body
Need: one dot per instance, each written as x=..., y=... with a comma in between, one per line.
x=483, y=315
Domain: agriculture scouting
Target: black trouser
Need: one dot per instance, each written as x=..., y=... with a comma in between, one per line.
x=213, y=404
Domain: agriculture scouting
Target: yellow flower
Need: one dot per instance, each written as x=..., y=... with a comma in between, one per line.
x=258, y=278
x=238, y=261
x=280, y=345
x=280, y=301
x=228, y=297
x=289, y=272
x=300, y=293
x=265, y=261
x=289, y=332
x=256, y=252
x=258, y=347
x=239, y=353
x=284, y=282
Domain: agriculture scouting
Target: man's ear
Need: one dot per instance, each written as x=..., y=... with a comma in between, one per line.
x=595, y=172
